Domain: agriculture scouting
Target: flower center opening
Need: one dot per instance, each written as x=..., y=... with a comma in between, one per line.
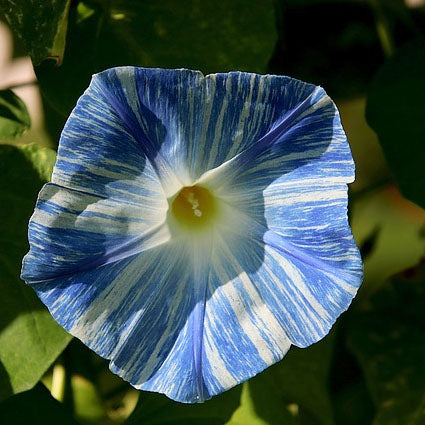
x=194, y=206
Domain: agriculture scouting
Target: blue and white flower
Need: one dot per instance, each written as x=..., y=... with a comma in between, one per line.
x=196, y=226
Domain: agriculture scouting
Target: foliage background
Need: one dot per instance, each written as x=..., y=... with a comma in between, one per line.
x=369, y=55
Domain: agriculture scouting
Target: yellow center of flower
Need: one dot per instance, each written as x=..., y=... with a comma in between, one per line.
x=194, y=206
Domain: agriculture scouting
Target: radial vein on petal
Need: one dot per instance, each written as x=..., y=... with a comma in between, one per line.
x=152, y=238
x=272, y=136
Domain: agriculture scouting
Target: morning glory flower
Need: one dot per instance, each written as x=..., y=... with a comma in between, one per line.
x=196, y=226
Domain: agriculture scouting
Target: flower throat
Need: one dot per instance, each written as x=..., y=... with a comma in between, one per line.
x=194, y=206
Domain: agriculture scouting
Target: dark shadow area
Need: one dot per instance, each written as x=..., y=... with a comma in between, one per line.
x=394, y=111
x=333, y=44
x=155, y=408
x=5, y=387
x=35, y=407
x=348, y=387
x=387, y=342
x=269, y=398
x=79, y=63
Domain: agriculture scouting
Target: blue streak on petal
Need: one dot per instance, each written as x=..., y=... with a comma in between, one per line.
x=120, y=87
x=98, y=152
x=136, y=312
x=241, y=335
x=305, y=291
x=244, y=108
x=275, y=134
x=314, y=220
x=279, y=243
x=195, y=123
x=302, y=135
x=202, y=251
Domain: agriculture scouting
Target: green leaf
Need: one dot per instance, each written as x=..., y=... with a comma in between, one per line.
x=30, y=340
x=14, y=118
x=35, y=407
x=388, y=340
x=40, y=25
x=395, y=112
x=208, y=35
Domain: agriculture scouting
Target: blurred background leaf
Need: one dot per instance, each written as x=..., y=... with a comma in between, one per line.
x=395, y=110
x=388, y=338
x=399, y=243
x=40, y=25
x=14, y=118
x=30, y=340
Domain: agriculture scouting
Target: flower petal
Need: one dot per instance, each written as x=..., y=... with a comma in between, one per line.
x=238, y=109
x=104, y=148
x=189, y=123
x=134, y=311
x=292, y=196
x=180, y=318
x=71, y=231
x=105, y=197
x=304, y=293
x=243, y=334
x=183, y=315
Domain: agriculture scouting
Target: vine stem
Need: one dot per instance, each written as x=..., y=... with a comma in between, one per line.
x=58, y=382
x=61, y=388
x=383, y=28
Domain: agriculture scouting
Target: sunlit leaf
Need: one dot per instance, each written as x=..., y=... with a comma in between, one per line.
x=88, y=405
x=14, y=118
x=30, y=340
